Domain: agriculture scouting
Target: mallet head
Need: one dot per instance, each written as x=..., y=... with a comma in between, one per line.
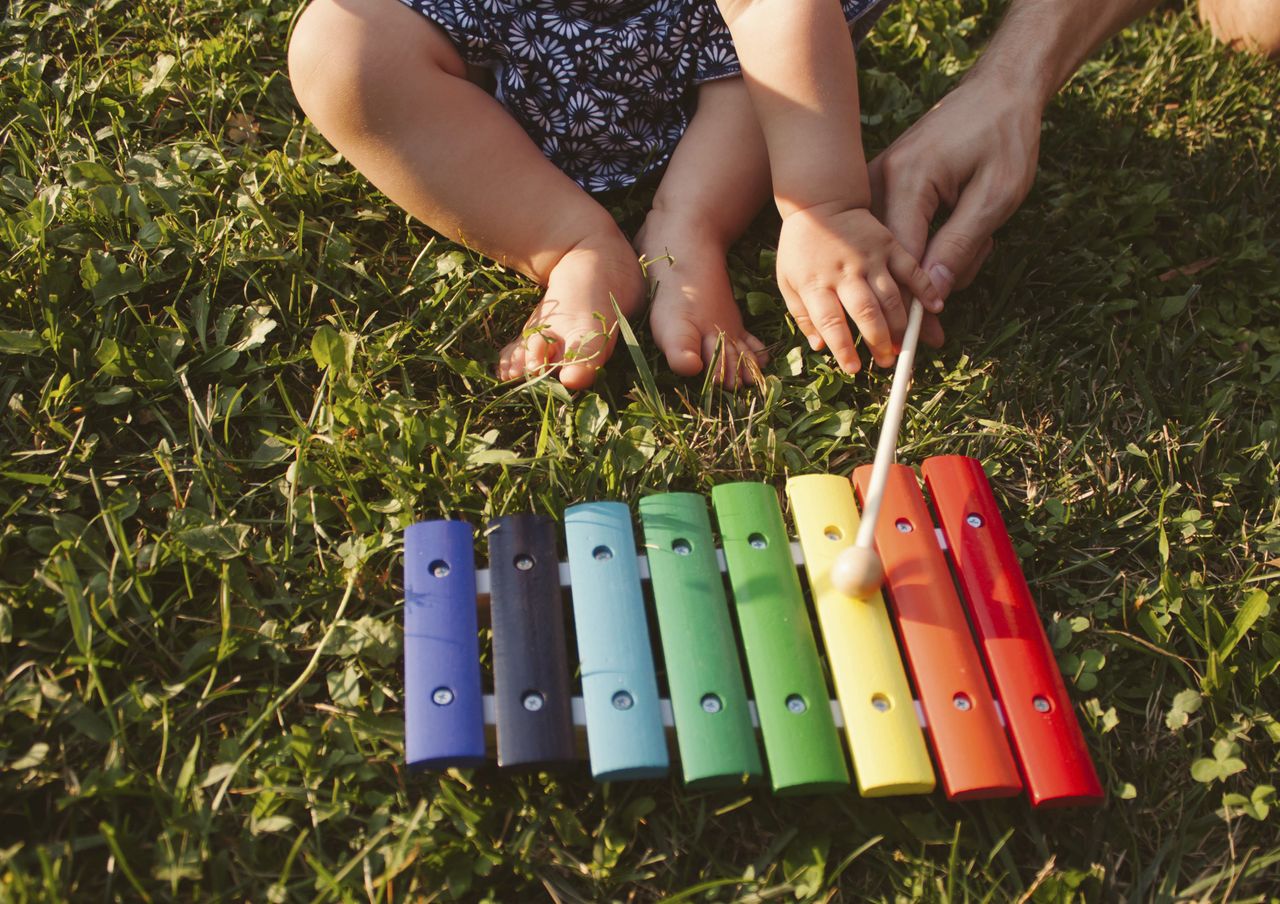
x=858, y=573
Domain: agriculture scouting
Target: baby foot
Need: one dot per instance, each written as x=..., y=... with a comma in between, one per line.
x=572, y=329
x=694, y=318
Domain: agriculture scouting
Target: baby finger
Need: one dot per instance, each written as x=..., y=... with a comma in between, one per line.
x=892, y=305
x=804, y=323
x=828, y=316
x=863, y=307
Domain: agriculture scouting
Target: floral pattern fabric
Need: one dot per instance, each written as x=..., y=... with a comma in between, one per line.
x=604, y=87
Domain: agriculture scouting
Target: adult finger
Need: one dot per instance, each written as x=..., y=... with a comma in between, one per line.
x=904, y=201
x=981, y=210
x=931, y=331
x=911, y=276
x=964, y=279
x=827, y=311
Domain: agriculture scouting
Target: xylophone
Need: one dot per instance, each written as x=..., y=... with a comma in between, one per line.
x=996, y=715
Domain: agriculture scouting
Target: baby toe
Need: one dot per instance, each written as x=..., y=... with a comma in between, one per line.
x=585, y=354
x=679, y=341
x=748, y=367
x=717, y=351
x=511, y=361
x=578, y=376
x=540, y=351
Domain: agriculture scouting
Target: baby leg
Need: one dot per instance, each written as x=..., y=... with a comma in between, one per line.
x=716, y=183
x=387, y=88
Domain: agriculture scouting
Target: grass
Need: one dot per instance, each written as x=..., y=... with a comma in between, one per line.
x=232, y=374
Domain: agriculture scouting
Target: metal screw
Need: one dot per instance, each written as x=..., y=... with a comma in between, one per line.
x=796, y=704
x=682, y=547
x=442, y=696
x=439, y=568
x=524, y=563
x=711, y=704
x=533, y=701
x=833, y=533
x=903, y=526
x=880, y=703
x=623, y=700
x=602, y=553
x=974, y=520
x=1041, y=704
x=757, y=541
x=962, y=702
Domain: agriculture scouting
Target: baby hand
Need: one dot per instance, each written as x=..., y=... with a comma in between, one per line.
x=836, y=263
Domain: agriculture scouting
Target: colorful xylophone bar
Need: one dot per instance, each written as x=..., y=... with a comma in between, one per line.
x=985, y=745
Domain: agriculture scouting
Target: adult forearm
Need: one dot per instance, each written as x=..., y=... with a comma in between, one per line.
x=799, y=67
x=1041, y=43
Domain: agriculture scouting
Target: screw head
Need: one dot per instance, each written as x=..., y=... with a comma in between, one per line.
x=1041, y=704
x=757, y=541
x=974, y=520
x=442, y=696
x=623, y=700
x=903, y=526
x=682, y=547
x=712, y=704
x=602, y=553
x=962, y=702
x=880, y=703
x=524, y=563
x=797, y=704
x=533, y=701
x=833, y=533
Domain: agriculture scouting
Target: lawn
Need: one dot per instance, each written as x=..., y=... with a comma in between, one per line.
x=232, y=374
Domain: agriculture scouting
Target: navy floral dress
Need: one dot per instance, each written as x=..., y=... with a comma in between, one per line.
x=604, y=87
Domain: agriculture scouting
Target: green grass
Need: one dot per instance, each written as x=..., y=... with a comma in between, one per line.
x=232, y=374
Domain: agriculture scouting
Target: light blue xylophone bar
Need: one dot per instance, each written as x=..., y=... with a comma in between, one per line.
x=625, y=737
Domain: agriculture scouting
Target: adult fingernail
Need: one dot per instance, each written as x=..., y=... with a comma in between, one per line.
x=943, y=279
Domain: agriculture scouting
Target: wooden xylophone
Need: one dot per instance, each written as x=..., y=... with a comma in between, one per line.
x=985, y=744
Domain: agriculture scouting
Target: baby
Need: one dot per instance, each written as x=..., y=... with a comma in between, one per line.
x=734, y=98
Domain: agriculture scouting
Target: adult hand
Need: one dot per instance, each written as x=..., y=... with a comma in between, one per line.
x=974, y=155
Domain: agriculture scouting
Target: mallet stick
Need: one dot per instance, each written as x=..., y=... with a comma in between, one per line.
x=858, y=571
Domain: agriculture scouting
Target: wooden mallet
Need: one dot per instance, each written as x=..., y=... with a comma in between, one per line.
x=857, y=571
